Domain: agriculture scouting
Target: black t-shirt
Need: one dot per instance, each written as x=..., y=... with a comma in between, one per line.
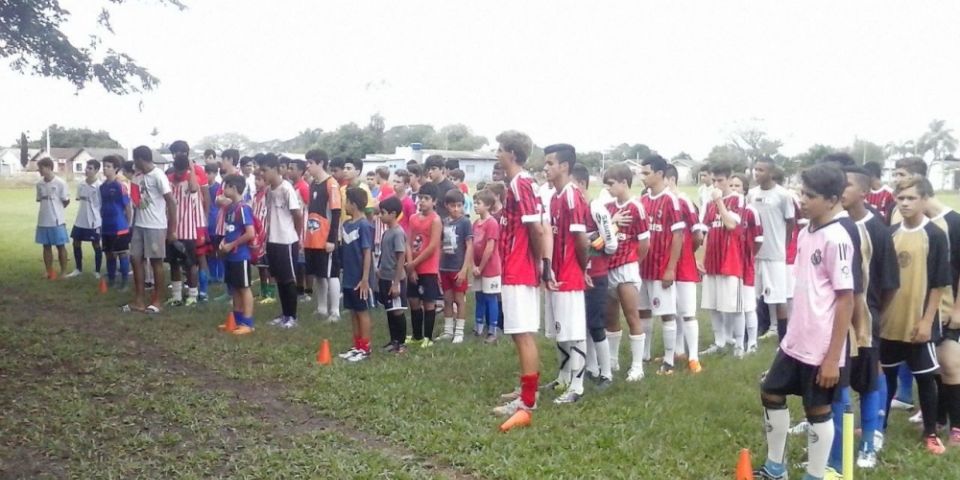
x=851, y=227
x=442, y=189
x=884, y=273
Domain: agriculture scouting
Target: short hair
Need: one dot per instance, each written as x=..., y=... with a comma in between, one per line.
x=457, y=174
x=318, y=156
x=232, y=155
x=357, y=196
x=485, y=197
x=619, y=173
x=765, y=159
x=412, y=162
x=454, y=195
x=403, y=175
x=179, y=146
x=115, y=160
x=580, y=173
x=914, y=165
x=143, y=153
x=826, y=179
x=451, y=164
x=429, y=190
x=337, y=162
x=211, y=168
x=94, y=163
x=671, y=172
x=517, y=143
x=860, y=175
x=923, y=186
x=481, y=185
x=721, y=169
x=284, y=160
x=236, y=181
x=873, y=169
x=270, y=161
x=210, y=153
x=129, y=166
x=656, y=163
x=356, y=162
x=45, y=162
x=391, y=204
x=299, y=165
x=244, y=161
x=498, y=189
x=564, y=152
x=842, y=159
x=371, y=174
x=415, y=170
x=743, y=179
x=434, y=161
x=383, y=172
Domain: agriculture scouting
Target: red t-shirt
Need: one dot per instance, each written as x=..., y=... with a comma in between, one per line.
x=663, y=219
x=882, y=200
x=724, y=252
x=752, y=233
x=792, y=244
x=520, y=208
x=421, y=227
x=386, y=191
x=463, y=188
x=568, y=216
x=409, y=210
x=687, y=265
x=629, y=236
x=483, y=232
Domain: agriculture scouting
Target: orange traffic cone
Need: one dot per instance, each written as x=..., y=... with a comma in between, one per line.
x=744, y=467
x=103, y=285
x=323, y=354
x=230, y=325
x=521, y=418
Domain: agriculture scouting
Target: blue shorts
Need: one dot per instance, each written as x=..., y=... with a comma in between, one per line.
x=85, y=234
x=52, y=235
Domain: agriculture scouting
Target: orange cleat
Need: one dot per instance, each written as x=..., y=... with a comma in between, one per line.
x=694, y=366
x=521, y=418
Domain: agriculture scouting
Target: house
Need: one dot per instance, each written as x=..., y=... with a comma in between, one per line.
x=72, y=161
x=476, y=166
x=10, y=160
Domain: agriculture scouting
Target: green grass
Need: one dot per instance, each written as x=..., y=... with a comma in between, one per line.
x=89, y=392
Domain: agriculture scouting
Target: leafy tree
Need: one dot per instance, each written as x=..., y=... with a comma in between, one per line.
x=729, y=154
x=31, y=36
x=64, y=137
x=754, y=144
x=403, y=135
x=223, y=141
x=938, y=139
x=458, y=137
x=592, y=160
x=866, y=151
x=810, y=157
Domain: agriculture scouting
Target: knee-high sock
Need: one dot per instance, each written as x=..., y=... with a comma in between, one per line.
x=429, y=319
x=78, y=255
x=124, y=267
x=591, y=365
x=203, y=279
x=819, y=440
x=669, y=340
x=577, y=360
x=637, y=347
x=891, y=375
x=680, y=347
x=320, y=286
x=416, y=322
x=941, y=401
x=479, y=312
x=952, y=399
x=927, y=391
x=97, y=257
x=333, y=296
x=869, y=416
x=603, y=357
x=563, y=363
x=493, y=312
x=777, y=423
x=647, y=324
x=716, y=321
x=751, y=318
x=111, y=268
x=613, y=339
x=691, y=334
x=835, y=459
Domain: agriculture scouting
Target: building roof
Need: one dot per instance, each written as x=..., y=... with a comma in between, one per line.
x=99, y=153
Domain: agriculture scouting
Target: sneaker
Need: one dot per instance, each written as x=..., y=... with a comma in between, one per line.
x=174, y=302
x=73, y=274
x=96, y=275
x=190, y=302
x=900, y=405
x=478, y=332
x=457, y=339
x=763, y=473
x=800, y=428
x=694, y=366
x=359, y=356
x=712, y=350
x=510, y=396
x=604, y=383
x=867, y=459
x=635, y=374
x=349, y=353
x=444, y=337
x=665, y=370
x=304, y=298
x=555, y=385
x=409, y=339
x=321, y=312
x=772, y=333
x=877, y=440
x=401, y=349
x=276, y=321
x=268, y=301
x=242, y=330
x=751, y=349
x=491, y=339
x=738, y=353
x=520, y=418
x=569, y=396
x=390, y=347
x=290, y=323
x=202, y=298
x=934, y=445
x=954, y=440
x=426, y=343
x=333, y=319
x=512, y=407
x=614, y=366
x=917, y=418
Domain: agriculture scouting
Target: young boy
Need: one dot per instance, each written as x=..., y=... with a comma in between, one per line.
x=910, y=326
x=373, y=185
x=321, y=235
x=258, y=247
x=86, y=228
x=51, y=225
x=284, y=224
x=688, y=330
x=423, y=288
x=182, y=251
x=457, y=177
x=487, y=266
x=633, y=243
x=401, y=185
x=457, y=247
x=436, y=171
x=391, y=274
x=294, y=174
x=813, y=349
x=215, y=231
x=880, y=196
x=357, y=256
x=116, y=214
x=384, y=187
x=235, y=248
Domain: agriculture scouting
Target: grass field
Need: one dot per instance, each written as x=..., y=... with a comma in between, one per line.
x=88, y=392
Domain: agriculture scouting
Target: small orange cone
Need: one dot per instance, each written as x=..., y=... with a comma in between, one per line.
x=744, y=467
x=230, y=325
x=323, y=354
x=521, y=418
x=103, y=285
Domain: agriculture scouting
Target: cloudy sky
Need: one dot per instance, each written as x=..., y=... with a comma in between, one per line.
x=677, y=75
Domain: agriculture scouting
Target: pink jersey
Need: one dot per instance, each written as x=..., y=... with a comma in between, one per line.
x=687, y=265
x=483, y=232
x=629, y=236
x=568, y=217
x=824, y=267
x=752, y=233
x=663, y=219
x=521, y=207
x=724, y=251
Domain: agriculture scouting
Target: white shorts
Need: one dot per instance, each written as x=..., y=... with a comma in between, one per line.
x=571, y=323
x=791, y=280
x=626, y=273
x=660, y=301
x=686, y=299
x=772, y=281
x=749, y=301
x=521, y=309
x=721, y=293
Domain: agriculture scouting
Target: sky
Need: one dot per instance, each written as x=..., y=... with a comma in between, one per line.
x=677, y=76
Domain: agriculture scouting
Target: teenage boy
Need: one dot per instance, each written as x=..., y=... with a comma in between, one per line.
x=457, y=176
x=284, y=224
x=812, y=352
x=457, y=247
x=248, y=169
x=774, y=204
x=53, y=197
x=86, y=228
x=294, y=174
x=357, y=251
x=391, y=274
x=688, y=330
x=372, y=184
x=436, y=171
x=321, y=235
x=215, y=231
x=752, y=242
x=384, y=186
x=880, y=196
x=268, y=290
x=402, y=185
x=235, y=248
x=182, y=251
x=423, y=288
x=116, y=214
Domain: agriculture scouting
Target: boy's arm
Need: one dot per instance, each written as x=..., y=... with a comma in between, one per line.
x=921, y=330
x=334, y=236
x=829, y=373
x=171, y=216
x=670, y=274
x=467, y=260
x=401, y=266
x=488, y=252
x=297, y=220
x=729, y=219
x=643, y=248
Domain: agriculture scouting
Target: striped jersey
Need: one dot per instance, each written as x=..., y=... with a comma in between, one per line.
x=259, y=245
x=724, y=247
x=883, y=201
x=188, y=207
x=687, y=265
x=628, y=236
x=663, y=219
x=752, y=233
x=568, y=217
x=521, y=207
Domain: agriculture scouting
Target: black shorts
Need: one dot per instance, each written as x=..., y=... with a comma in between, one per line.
x=85, y=234
x=789, y=376
x=186, y=258
x=113, y=243
x=237, y=274
x=352, y=300
x=321, y=264
x=280, y=258
x=214, y=242
x=951, y=334
x=427, y=288
x=388, y=302
x=595, y=299
x=864, y=370
x=919, y=357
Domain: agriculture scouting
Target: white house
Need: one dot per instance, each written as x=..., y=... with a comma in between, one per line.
x=10, y=161
x=943, y=175
x=476, y=166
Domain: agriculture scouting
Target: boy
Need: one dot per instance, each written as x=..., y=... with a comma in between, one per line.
x=86, y=228
x=457, y=247
x=294, y=174
x=247, y=167
x=457, y=177
x=633, y=243
x=688, y=330
x=401, y=185
x=384, y=188
x=752, y=243
x=813, y=349
x=487, y=266
x=182, y=251
x=880, y=196
x=116, y=214
x=235, y=248
x=373, y=185
x=391, y=273
x=51, y=226
x=322, y=233
x=357, y=256
x=910, y=326
x=215, y=232
x=258, y=247
x=436, y=171
x=423, y=287
x=284, y=224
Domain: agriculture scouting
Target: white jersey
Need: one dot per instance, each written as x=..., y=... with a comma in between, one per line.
x=88, y=214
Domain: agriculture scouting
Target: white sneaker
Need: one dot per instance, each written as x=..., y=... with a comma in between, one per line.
x=277, y=321
x=635, y=374
x=333, y=319
x=800, y=428
x=867, y=459
x=738, y=353
x=445, y=336
x=712, y=349
x=458, y=339
x=96, y=275
x=290, y=323
x=511, y=407
x=322, y=312
x=916, y=418
x=769, y=334
x=898, y=405
x=73, y=274
x=569, y=396
x=877, y=440
x=349, y=353
x=359, y=356
x=614, y=366
x=751, y=349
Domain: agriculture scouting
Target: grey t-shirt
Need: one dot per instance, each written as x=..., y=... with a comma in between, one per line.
x=775, y=207
x=394, y=240
x=453, y=246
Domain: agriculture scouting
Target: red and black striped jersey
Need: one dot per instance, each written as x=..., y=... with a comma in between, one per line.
x=752, y=233
x=628, y=236
x=663, y=219
x=724, y=252
x=568, y=217
x=687, y=265
x=883, y=200
x=521, y=207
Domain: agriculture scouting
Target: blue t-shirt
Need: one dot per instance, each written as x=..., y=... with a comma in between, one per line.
x=236, y=221
x=114, y=199
x=214, y=209
x=357, y=236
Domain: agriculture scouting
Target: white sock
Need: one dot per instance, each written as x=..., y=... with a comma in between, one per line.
x=591, y=361
x=716, y=321
x=448, y=326
x=603, y=357
x=192, y=292
x=636, y=347
x=773, y=317
x=727, y=325
x=177, y=291
x=691, y=333
x=777, y=422
x=613, y=341
x=737, y=329
x=563, y=363
x=751, y=318
x=669, y=340
x=577, y=361
x=679, y=345
x=333, y=296
x=647, y=324
x=819, y=442
x=458, y=328
x=320, y=290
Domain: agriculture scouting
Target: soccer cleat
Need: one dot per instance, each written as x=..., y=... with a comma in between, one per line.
x=96, y=275
x=520, y=418
x=569, y=396
x=73, y=274
x=359, y=356
x=202, y=298
x=712, y=350
x=289, y=323
x=304, y=298
x=751, y=349
x=800, y=428
x=604, y=383
x=491, y=339
x=390, y=347
x=426, y=343
x=267, y=301
x=409, y=339
x=867, y=459
x=478, y=332
x=934, y=445
x=917, y=418
x=738, y=353
x=190, y=302
x=457, y=339
x=768, y=334
x=954, y=440
x=510, y=396
x=333, y=319
x=445, y=337
x=401, y=349
x=635, y=374
x=512, y=407
x=877, y=440
x=349, y=353
x=555, y=385
x=765, y=473
x=665, y=369
x=174, y=302
x=321, y=312
x=898, y=404
x=276, y=321
x=242, y=330
x=694, y=366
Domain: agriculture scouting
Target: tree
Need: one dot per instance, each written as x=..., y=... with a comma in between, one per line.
x=864, y=151
x=64, y=137
x=24, y=154
x=404, y=135
x=810, y=157
x=754, y=144
x=938, y=139
x=223, y=141
x=592, y=160
x=31, y=36
x=728, y=154
x=458, y=137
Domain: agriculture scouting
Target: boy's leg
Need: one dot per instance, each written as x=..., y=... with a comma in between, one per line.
x=905, y=388
x=479, y=312
x=97, y=255
x=819, y=439
x=157, y=265
x=460, y=301
x=892, y=375
x=364, y=329
x=111, y=267
x=493, y=313
x=48, y=260
x=835, y=458
x=448, y=313
x=416, y=313
x=124, y=266
x=614, y=332
x=62, y=253
x=138, y=283
x=927, y=392
x=627, y=292
x=77, y=256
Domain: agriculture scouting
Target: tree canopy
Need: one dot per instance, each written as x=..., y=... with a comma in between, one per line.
x=68, y=137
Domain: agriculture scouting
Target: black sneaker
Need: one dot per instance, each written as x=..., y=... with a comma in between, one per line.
x=763, y=474
x=390, y=347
